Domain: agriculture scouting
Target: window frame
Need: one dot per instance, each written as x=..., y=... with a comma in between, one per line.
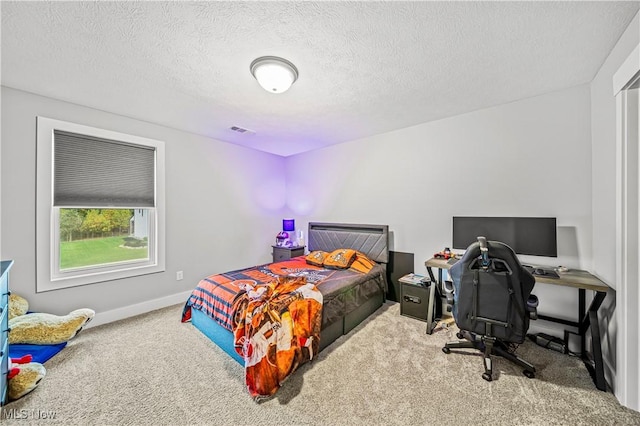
x=58, y=274
x=48, y=273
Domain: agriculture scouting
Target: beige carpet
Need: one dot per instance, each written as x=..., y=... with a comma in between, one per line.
x=152, y=369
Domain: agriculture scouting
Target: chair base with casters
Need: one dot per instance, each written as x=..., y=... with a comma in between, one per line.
x=490, y=346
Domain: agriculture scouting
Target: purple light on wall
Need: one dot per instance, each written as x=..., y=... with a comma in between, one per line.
x=269, y=193
x=288, y=225
x=300, y=199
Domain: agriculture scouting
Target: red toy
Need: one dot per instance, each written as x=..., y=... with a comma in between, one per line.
x=13, y=371
x=444, y=254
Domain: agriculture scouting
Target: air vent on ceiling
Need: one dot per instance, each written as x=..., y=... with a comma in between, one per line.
x=242, y=130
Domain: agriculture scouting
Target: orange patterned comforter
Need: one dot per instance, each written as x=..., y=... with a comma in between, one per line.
x=277, y=329
x=215, y=295
x=275, y=312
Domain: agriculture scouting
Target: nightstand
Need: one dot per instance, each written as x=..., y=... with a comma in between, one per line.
x=417, y=294
x=286, y=253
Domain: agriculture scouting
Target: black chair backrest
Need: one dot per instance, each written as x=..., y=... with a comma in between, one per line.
x=491, y=298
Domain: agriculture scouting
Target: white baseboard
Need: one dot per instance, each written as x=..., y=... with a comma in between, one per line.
x=138, y=308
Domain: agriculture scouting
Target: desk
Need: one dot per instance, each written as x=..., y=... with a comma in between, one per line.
x=581, y=280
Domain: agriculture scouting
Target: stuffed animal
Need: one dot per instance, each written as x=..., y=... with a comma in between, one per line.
x=37, y=329
x=24, y=376
x=17, y=305
x=43, y=329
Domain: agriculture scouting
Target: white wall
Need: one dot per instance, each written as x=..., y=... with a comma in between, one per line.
x=603, y=130
x=1, y=256
x=526, y=158
x=224, y=203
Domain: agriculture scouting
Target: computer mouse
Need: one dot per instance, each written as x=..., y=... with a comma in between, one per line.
x=538, y=271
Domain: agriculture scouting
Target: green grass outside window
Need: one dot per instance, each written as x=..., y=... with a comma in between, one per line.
x=97, y=251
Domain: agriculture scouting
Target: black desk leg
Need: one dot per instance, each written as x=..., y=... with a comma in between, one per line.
x=430, y=271
x=581, y=321
x=591, y=320
x=598, y=373
x=587, y=318
x=434, y=310
x=433, y=279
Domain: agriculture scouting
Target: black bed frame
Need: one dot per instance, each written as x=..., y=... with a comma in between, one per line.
x=371, y=240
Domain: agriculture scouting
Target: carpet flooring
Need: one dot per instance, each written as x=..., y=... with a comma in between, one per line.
x=154, y=370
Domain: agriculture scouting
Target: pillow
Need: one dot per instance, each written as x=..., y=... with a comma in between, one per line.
x=316, y=258
x=340, y=259
x=362, y=263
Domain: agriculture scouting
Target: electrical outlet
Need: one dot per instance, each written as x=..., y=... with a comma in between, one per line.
x=179, y=276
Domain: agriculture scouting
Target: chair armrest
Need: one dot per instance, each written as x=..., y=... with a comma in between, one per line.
x=532, y=306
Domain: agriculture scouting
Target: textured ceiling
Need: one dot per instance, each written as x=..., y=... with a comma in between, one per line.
x=365, y=67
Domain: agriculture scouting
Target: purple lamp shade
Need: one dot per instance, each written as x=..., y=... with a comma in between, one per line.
x=288, y=225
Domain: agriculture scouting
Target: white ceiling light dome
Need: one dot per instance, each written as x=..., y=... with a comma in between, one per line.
x=274, y=74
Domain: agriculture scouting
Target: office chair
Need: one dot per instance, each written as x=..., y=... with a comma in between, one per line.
x=492, y=303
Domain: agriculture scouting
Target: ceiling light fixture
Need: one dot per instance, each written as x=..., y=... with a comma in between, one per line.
x=274, y=74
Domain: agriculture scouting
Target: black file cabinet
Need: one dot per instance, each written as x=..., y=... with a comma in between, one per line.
x=415, y=299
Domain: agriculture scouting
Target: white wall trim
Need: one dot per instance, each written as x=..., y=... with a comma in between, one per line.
x=139, y=308
x=48, y=275
x=627, y=388
x=627, y=71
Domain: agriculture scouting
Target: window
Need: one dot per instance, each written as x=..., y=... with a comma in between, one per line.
x=100, y=205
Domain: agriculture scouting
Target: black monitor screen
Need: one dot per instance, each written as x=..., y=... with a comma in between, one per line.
x=525, y=235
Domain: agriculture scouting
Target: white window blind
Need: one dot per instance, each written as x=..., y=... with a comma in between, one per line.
x=90, y=171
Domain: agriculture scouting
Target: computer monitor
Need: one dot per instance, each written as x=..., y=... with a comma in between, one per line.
x=534, y=236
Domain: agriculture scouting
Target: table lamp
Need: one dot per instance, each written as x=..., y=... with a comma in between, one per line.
x=288, y=225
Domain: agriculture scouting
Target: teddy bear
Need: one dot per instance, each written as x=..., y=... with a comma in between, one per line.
x=37, y=329
x=23, y=376
x=41, y=328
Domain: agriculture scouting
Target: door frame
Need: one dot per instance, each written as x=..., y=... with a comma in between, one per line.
x=627, y=231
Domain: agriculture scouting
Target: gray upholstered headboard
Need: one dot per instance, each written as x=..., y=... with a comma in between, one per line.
x=372, y=240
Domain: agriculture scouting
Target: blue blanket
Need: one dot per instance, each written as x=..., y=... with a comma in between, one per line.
x=40, y=353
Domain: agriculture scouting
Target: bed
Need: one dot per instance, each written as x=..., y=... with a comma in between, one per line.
x=347, y=297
